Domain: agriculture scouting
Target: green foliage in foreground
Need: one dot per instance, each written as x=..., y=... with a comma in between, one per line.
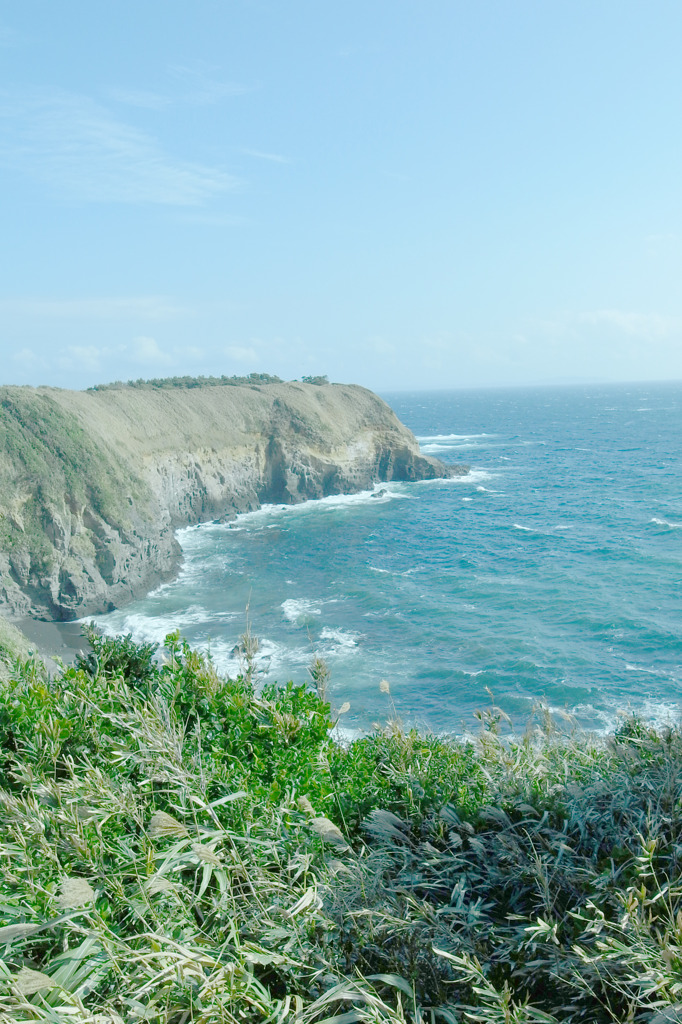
x=178, y=847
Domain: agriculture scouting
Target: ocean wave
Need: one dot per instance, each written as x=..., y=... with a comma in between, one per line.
x=339, y=640
x=229, y=660
x=434, y=449
x=154, y=628
x=379, y=494
x=451, y=437
x=604, y=721
x=666, y=523
x=474, y=476
x=191, y=538
x=299, y=610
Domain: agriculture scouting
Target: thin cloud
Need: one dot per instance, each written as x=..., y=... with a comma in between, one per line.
x=9, y=37
x=103, y=308
x=647, y=325
x=241, y=354
x=27, y=358
x=77, y=148
x=146, y=351
x=82, y=357
x=140, y=98
x=203, y=88
x=220, y=220
x=275, y=158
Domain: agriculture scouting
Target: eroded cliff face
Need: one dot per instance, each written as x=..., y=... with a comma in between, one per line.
x=94, y=484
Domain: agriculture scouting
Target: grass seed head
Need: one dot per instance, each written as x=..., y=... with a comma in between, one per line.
x=163, y=825
x=75, y=892
x=329, y=832
x=206, y=854
x=28, y=982
x=304, y=804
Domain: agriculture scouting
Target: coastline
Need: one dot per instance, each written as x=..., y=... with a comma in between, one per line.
x=62, y=639
x=52, y=640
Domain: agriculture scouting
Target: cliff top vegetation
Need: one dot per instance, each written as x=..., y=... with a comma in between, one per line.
x=169, y=383
x=179, y=847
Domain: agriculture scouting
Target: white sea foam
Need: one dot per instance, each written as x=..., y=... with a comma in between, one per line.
x=434, y=449
x=526, y=529
x=659, y=714
x=340, y=640
x=230, y=661
x=665, y=522
x=344, y=735
x=451, y=437
x=144, y=628
x=150, y=628
x=647, y=671
x=379, y=494
x=299, y=610
x=474, y=476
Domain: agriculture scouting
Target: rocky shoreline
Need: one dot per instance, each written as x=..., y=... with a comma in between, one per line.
x=93, y=485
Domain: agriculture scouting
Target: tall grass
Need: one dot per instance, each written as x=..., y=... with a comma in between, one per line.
x=180, y=847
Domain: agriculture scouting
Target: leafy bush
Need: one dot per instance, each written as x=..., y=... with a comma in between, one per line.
x=179, y=847
x=117, y=656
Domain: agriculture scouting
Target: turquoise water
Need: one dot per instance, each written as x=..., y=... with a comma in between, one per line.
x=553, y=571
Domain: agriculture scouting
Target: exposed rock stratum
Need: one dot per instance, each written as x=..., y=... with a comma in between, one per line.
x=95, y=483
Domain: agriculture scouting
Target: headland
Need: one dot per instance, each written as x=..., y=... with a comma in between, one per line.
x=95, y=483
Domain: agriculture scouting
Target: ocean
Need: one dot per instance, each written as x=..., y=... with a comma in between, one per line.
x=552, y=572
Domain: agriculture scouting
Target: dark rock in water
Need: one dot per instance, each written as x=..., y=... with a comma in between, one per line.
x=380, y=493
x=93, y=484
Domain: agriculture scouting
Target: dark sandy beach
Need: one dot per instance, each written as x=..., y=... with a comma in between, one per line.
x=54, y=639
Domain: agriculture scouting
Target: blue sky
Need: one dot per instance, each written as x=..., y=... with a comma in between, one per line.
x=399, y=193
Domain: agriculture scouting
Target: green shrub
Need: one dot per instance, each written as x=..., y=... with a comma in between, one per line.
x=180, y=847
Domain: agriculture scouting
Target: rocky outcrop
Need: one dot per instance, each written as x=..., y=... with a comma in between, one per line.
x=94, y=484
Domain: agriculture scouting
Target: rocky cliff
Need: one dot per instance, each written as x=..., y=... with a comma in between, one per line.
x=94, y=484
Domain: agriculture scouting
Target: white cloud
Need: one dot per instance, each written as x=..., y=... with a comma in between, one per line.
x=241, y=353
x=145, y=351
x=82, y=357
x=80, y=150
